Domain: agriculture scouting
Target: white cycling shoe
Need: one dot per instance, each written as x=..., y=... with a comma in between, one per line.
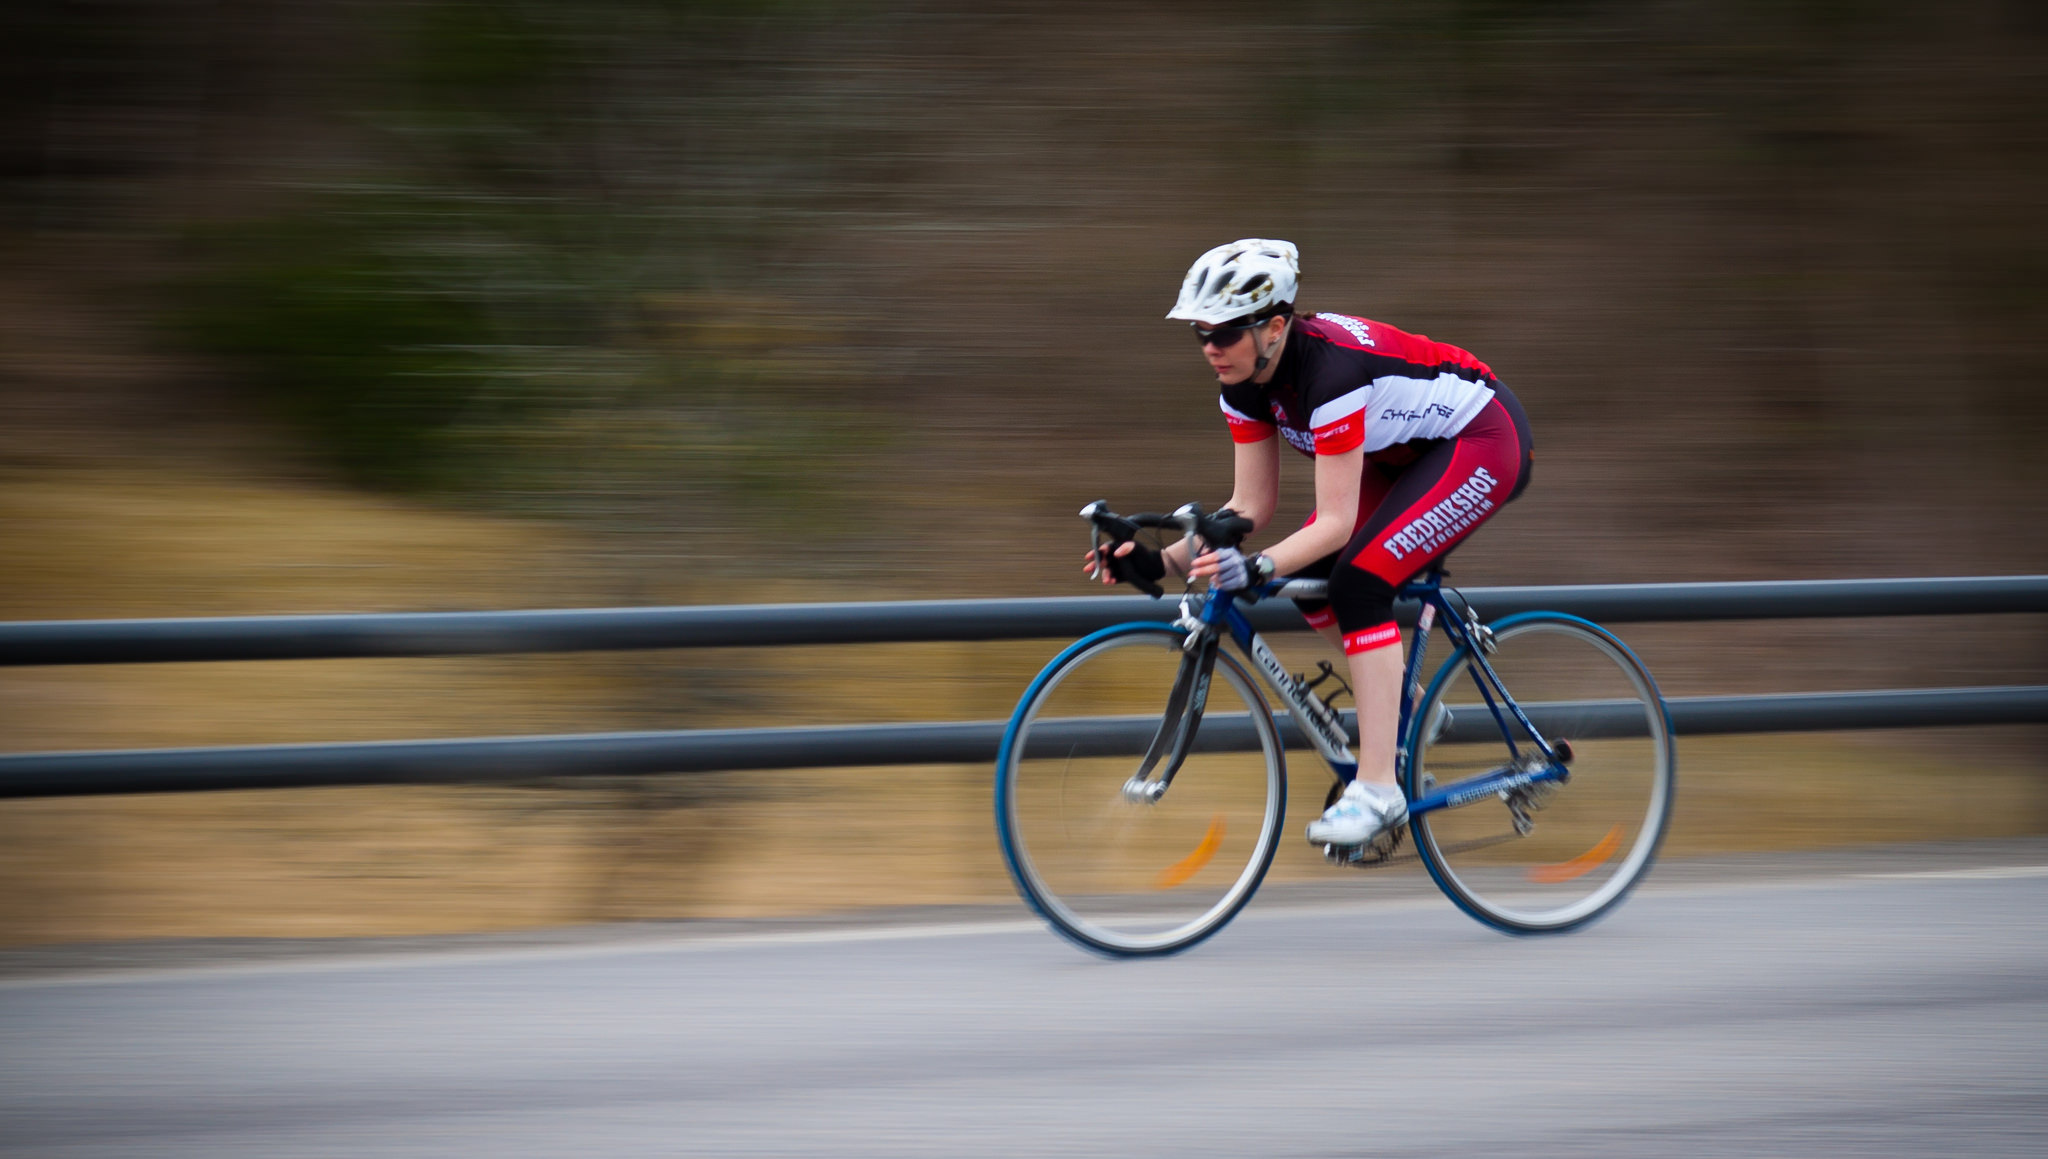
x=1361, y=814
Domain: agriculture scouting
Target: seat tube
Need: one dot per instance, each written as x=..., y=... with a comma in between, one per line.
x=1411, y=676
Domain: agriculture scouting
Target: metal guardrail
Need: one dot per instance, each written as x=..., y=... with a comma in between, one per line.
x=758, y=625
x=499, y=759
x=706, y=750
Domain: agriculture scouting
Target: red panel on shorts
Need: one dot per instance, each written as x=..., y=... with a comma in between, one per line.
x=1482, y=475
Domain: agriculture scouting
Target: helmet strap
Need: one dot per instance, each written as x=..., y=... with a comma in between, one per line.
x=1266, y=352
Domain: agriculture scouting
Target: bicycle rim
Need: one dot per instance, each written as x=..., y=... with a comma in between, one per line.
x=1589, y=839
x=1129, y=877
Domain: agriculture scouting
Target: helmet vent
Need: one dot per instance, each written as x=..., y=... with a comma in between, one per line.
x=1248, y=278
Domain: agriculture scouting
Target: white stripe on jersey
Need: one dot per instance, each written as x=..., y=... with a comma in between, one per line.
x=1239, y=415
x=1341, y=407
x=1402, y=409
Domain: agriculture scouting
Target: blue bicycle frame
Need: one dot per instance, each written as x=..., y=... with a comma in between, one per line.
x=1532, y=763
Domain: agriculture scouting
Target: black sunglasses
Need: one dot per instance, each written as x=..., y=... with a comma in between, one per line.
x=1222, y=337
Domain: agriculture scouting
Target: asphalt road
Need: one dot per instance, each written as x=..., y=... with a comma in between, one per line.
x=1852, y=1006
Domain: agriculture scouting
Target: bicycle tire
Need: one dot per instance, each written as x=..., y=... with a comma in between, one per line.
x=1591, y=838
x=1120, y=877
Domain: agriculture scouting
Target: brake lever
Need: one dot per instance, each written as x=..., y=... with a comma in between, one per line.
x=1111, y=531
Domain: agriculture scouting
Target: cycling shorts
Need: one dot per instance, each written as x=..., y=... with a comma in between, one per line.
x=1413, y=514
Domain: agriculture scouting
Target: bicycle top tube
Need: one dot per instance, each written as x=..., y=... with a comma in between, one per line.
x=1421, y=586
x=1420, y=589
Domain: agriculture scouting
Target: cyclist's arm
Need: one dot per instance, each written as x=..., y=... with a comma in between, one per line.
x=1337, y=478
x=1255, y=494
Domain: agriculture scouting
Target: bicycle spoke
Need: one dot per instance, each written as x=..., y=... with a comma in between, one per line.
x=1120, y=872
x=1578, y=844
x=1180, y=871
x=1580, y=866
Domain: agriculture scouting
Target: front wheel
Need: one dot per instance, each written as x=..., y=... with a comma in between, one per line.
x=1110, y=869
x=1554, y=855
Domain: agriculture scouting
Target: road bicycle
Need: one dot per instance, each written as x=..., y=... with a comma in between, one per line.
x=1140, y=800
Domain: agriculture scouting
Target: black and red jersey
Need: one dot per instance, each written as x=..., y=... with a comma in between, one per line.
x=1344, y=382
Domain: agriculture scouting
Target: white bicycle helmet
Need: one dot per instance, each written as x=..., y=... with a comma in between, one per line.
x=1253, y=275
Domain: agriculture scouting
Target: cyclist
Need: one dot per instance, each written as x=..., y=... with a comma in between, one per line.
x=1415, y=444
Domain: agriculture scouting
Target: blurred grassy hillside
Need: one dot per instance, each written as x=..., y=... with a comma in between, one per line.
x=145, y=539
x=1768, y=275
x=406, y=304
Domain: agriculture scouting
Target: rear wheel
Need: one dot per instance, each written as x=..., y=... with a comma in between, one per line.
x=1111, y=870
x=1552, y=856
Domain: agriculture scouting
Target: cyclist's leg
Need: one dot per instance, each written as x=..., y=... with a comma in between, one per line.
x=1435, y=503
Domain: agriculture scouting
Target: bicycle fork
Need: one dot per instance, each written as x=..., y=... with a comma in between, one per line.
x=1183, y=715
x=1317, y=721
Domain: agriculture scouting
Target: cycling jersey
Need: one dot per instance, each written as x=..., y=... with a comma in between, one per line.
x=1446, y=445
x=1343, y=382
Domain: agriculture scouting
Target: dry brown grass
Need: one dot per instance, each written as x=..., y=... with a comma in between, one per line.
x=334, y=862
x=340, y=862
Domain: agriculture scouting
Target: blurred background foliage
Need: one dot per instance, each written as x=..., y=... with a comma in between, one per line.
x=632, y=257
x=518, y=282
x=361, y=304
x=665, y=267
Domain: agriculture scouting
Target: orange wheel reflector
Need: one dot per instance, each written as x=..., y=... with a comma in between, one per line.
x=1180, y=871
x=1579, y=866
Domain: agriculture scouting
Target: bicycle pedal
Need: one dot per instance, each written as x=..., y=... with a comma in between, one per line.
x=1376, y=852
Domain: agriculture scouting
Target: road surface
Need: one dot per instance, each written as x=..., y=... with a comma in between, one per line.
x=1845, y=1005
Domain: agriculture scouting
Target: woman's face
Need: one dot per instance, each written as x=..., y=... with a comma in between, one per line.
x=1234, y=353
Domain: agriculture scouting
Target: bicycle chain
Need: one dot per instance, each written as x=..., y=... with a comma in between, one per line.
x=1414, y=854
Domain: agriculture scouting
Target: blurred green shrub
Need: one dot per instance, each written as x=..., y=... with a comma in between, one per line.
x=355, y=326
x=500, y=295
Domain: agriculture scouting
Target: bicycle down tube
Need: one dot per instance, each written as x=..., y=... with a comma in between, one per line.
x=1220, y=610
x=1147, y=871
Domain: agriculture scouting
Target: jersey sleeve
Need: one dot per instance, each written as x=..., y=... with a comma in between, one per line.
x=1241, y=410
x=1339, y=424
x=1337, y=357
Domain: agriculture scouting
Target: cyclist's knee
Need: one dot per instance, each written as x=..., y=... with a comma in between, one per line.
x=1364, y=605
x=1317, y=612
